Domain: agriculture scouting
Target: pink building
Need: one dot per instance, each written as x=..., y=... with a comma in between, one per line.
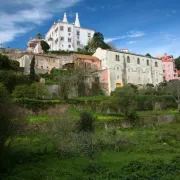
x=86, y=62
x=169, y=70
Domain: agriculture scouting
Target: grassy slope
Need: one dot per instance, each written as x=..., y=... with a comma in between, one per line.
x=37, y=157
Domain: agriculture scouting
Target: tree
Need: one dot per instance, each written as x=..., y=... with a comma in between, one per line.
x=85, y=128
x=39, y=36
x=173, y=88
x=38, y=91
x=32, y=69
x=86, y=122
x=148, y=55
x=11, y=124
x=125, y=99
x=45, y=46
x=95, y=42
x=21, y=91
x=177, y=63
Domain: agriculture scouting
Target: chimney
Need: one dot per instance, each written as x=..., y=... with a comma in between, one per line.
x=65, y=18
x=77, y=23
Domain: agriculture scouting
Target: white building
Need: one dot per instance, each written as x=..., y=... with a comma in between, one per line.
x=125, y=67
x=68, y=36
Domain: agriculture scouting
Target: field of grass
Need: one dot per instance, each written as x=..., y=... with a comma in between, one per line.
x=151, y=154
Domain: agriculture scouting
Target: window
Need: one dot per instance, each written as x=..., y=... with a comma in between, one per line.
x=69, y=46
x=62, y=38
x=117, y=68
x=128, y=59
x=147, y=62
x=117, y=57
x=138, y=61
x=89, y=34
x=62, y=28
x=56, y=41
x=78, y=42
x=69, y=39
x=56, y=29
x=69, y=34
x=78, y=33
x=41, y=67
x=78, y=37
x=69, y=29
x=156, y=64
x=117, y=77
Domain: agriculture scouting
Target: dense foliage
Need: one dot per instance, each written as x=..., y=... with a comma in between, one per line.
x=35, y=104
x=10, y=126
x=7, y=64
x=45, y=46
x=177, y=63
x=34, y=91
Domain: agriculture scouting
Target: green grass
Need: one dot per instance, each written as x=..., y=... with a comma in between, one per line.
x=38, y=159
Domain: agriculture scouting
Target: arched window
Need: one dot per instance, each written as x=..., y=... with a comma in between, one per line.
x=147, y=62
x=128, y=59
x=138, y=61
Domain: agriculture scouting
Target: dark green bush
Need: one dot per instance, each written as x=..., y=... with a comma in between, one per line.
x=36, y=105
x=11, y=79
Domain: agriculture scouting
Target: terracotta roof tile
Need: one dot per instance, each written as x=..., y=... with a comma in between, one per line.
x=87, y=57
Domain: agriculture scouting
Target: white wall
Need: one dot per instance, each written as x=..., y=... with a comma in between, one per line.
x=135, y=73
x=56, y=34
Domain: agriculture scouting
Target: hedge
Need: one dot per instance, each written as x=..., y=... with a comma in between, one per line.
x=36, y=105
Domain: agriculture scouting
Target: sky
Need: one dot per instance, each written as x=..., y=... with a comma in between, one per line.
x=142, y=26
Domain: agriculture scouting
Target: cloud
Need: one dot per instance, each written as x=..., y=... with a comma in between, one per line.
x=130, y=34
x=131, y=42
x=174, y=11
x=134, y=34
x=114, y=38
x=28, y=14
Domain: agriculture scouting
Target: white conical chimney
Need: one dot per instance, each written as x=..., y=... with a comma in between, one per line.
x=65, y=18
x=77, y=23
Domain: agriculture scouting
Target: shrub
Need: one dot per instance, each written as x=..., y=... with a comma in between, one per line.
x=21, y=91
x=36, y=105
x=86, y=122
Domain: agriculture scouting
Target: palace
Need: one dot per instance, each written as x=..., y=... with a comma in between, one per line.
x=68, y=36
x=125, y=67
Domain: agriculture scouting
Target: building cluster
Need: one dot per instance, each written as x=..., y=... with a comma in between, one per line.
x=114, y=68
x=63, y=36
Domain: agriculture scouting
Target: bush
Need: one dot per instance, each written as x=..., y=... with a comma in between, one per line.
x=10, y=126
x=35, y=91
x=86, y=122
x=10, y=79
x=36, y=105
x=7, y=64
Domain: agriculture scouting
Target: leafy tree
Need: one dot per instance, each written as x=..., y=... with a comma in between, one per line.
x=32, y=69
x=148, y=55
x=39, y=36
x=173, y=88
x=125, y=100
x=21, y=91
x=95, y=42
x=7, y=64
x=177, y=63
x=38, y=91
x=86, y=122
x=45, y=46
x=11, y=123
